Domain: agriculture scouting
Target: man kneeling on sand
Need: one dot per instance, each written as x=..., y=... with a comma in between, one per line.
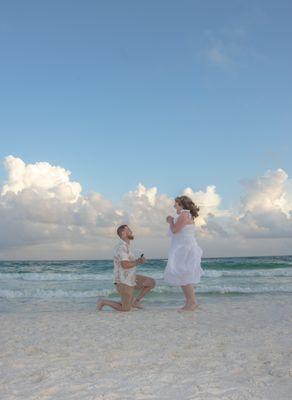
x=125, y=277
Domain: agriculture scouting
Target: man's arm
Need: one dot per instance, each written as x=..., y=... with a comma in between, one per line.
x=129, y=264
x=132, y=264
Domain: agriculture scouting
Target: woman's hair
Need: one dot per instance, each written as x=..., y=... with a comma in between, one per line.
x=187, y=204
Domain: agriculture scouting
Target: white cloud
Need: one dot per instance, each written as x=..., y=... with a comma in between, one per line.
x=39, y=204
x=209, y=203
x=266, y=192
x=146, y=210
x=266, y=208
x=218, y=58
x=53, y=182
x=43, y=214
x=230, y=48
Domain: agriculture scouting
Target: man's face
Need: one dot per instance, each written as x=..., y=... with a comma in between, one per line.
x=127, y=234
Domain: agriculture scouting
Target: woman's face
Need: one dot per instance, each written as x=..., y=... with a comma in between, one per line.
x=177, y=207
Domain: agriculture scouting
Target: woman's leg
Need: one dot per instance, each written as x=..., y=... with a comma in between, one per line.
x=189, y=293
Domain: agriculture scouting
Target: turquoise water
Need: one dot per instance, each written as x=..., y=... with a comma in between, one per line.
x=81, y=282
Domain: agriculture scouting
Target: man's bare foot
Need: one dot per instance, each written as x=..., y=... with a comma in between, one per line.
x=188, y=307
x=99, y=305
x=136, y=304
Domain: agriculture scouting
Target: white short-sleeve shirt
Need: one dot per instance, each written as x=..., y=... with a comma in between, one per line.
x=126, y=276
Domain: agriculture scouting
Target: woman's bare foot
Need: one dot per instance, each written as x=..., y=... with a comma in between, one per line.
x=188, y=307
x=99, y=305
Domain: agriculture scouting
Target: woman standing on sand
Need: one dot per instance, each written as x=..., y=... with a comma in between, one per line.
x=184, y=260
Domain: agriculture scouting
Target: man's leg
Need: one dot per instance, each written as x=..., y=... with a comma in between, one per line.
x=144, y=284
x=113, y=304
x=126, y=293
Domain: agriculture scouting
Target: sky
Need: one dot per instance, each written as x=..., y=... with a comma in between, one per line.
x=143, y=101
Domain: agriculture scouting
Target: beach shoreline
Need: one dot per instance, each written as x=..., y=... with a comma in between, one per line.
x=233, y=348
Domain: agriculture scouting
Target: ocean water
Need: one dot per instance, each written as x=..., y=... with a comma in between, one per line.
x=78, y=284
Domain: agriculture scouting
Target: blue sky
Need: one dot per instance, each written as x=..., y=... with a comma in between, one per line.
x=167, y=93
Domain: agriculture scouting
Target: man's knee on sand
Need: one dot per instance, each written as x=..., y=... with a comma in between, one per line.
x=127, y=301
x=127, y=307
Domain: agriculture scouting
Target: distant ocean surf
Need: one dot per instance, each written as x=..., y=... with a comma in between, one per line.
x=84, y=281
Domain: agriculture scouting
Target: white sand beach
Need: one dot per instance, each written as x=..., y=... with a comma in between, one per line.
x=233, y=348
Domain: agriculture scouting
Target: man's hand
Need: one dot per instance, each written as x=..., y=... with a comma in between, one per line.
x=169, y=219
x=141, y=260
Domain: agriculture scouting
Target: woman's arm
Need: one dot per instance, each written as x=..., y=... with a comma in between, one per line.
x=181, y=222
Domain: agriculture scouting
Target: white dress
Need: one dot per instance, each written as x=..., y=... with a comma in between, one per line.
x=184, y=258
